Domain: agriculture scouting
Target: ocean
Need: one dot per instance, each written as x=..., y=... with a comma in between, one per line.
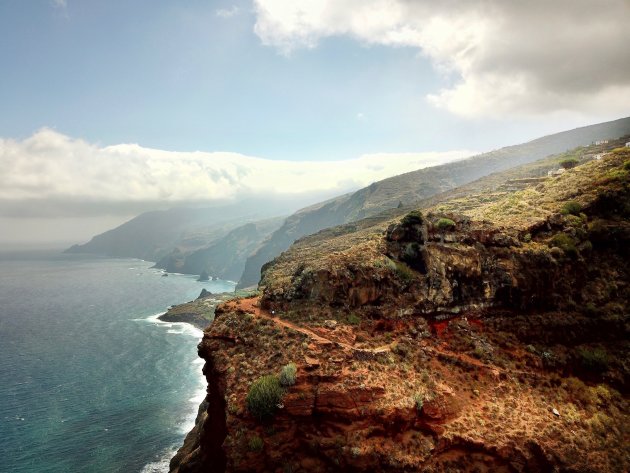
x=90, y=380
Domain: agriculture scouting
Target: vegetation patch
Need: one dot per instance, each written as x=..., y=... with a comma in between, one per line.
x=595, y=360
x=569, y=163
x=565, y=243
x=255, y=444
x=264, y=396
x=404, y=272
x=414, y=217
x=418, y=401
x=571, y=208
x=445, y=224
x=288, y=374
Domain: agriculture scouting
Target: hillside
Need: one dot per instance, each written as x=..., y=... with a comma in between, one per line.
x=489, y=337
x=153, y=235
x=224, y=257
x=415, y=186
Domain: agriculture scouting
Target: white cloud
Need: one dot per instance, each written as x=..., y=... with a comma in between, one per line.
x=51, y=167
x=60, y=3
x=496, y=57
x=228, y=12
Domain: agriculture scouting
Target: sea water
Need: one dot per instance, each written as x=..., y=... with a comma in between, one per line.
x=90, y=380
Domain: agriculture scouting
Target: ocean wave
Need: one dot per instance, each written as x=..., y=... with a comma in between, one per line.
x=161, y=465
x=184, y=328
x=200, y=394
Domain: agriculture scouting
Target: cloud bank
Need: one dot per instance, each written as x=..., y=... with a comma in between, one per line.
x=496, y=57
x=50, y=174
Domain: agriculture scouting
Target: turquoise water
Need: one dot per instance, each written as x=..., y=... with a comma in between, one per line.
x=89, y=380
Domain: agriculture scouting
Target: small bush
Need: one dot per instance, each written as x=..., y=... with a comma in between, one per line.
x=527, y=237
x=288, y=374
x=404, y=273
x=255, y=444
x=354, y=319
x=573, y=221
x=571, y=208
x=569, y=163
x=414, y=217
x=418, y=401
x=444, y=224
x=595, y=360
x=626, y=165
x=264, y=396
x=565, y=243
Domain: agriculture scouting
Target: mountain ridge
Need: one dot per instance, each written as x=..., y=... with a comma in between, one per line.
x=418, y=185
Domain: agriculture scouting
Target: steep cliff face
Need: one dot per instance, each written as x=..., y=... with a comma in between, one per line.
x=225, y=257
x=436, y=342
x=472, y=265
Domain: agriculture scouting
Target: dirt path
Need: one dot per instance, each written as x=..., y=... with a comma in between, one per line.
x=252, y=306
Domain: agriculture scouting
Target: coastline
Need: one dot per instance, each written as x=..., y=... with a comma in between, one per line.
x=200, y=312
x=162, y=465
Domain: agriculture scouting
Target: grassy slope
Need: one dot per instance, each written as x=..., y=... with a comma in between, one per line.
x=414, y=187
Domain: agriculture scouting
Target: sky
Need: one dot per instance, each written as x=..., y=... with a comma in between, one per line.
x=111, y=108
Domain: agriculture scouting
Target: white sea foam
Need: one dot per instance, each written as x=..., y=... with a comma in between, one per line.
x=189, y=422
x=181, y=328
x=161, y=465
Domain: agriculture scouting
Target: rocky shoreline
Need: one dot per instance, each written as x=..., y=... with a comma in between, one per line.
x=200, y=312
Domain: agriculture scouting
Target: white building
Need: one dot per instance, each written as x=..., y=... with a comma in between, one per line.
x=628, y=144
x=601, y=142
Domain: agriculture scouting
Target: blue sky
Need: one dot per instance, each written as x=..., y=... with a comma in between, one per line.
x=379, y=84
x=178, y=76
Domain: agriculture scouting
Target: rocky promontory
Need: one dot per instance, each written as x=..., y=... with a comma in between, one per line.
x=487, y=337
x=199, y=312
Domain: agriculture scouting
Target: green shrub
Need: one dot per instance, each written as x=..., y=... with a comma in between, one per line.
x=444, y=224
x=595, y=359
x=255, y=444
x=565, y=243
x=571, y=208
x=527, y=237
x=626, y=165
x=288, y=374
x=617, y=175
x=569, y=163
x=264, y=396
x=413, y=218
x=354, y=319
x=573, y=221
x=404, y=273
x=418, y=401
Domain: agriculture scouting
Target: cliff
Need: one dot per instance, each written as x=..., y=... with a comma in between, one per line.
x=412, y=188
x=479, y=334
x=225, y=257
